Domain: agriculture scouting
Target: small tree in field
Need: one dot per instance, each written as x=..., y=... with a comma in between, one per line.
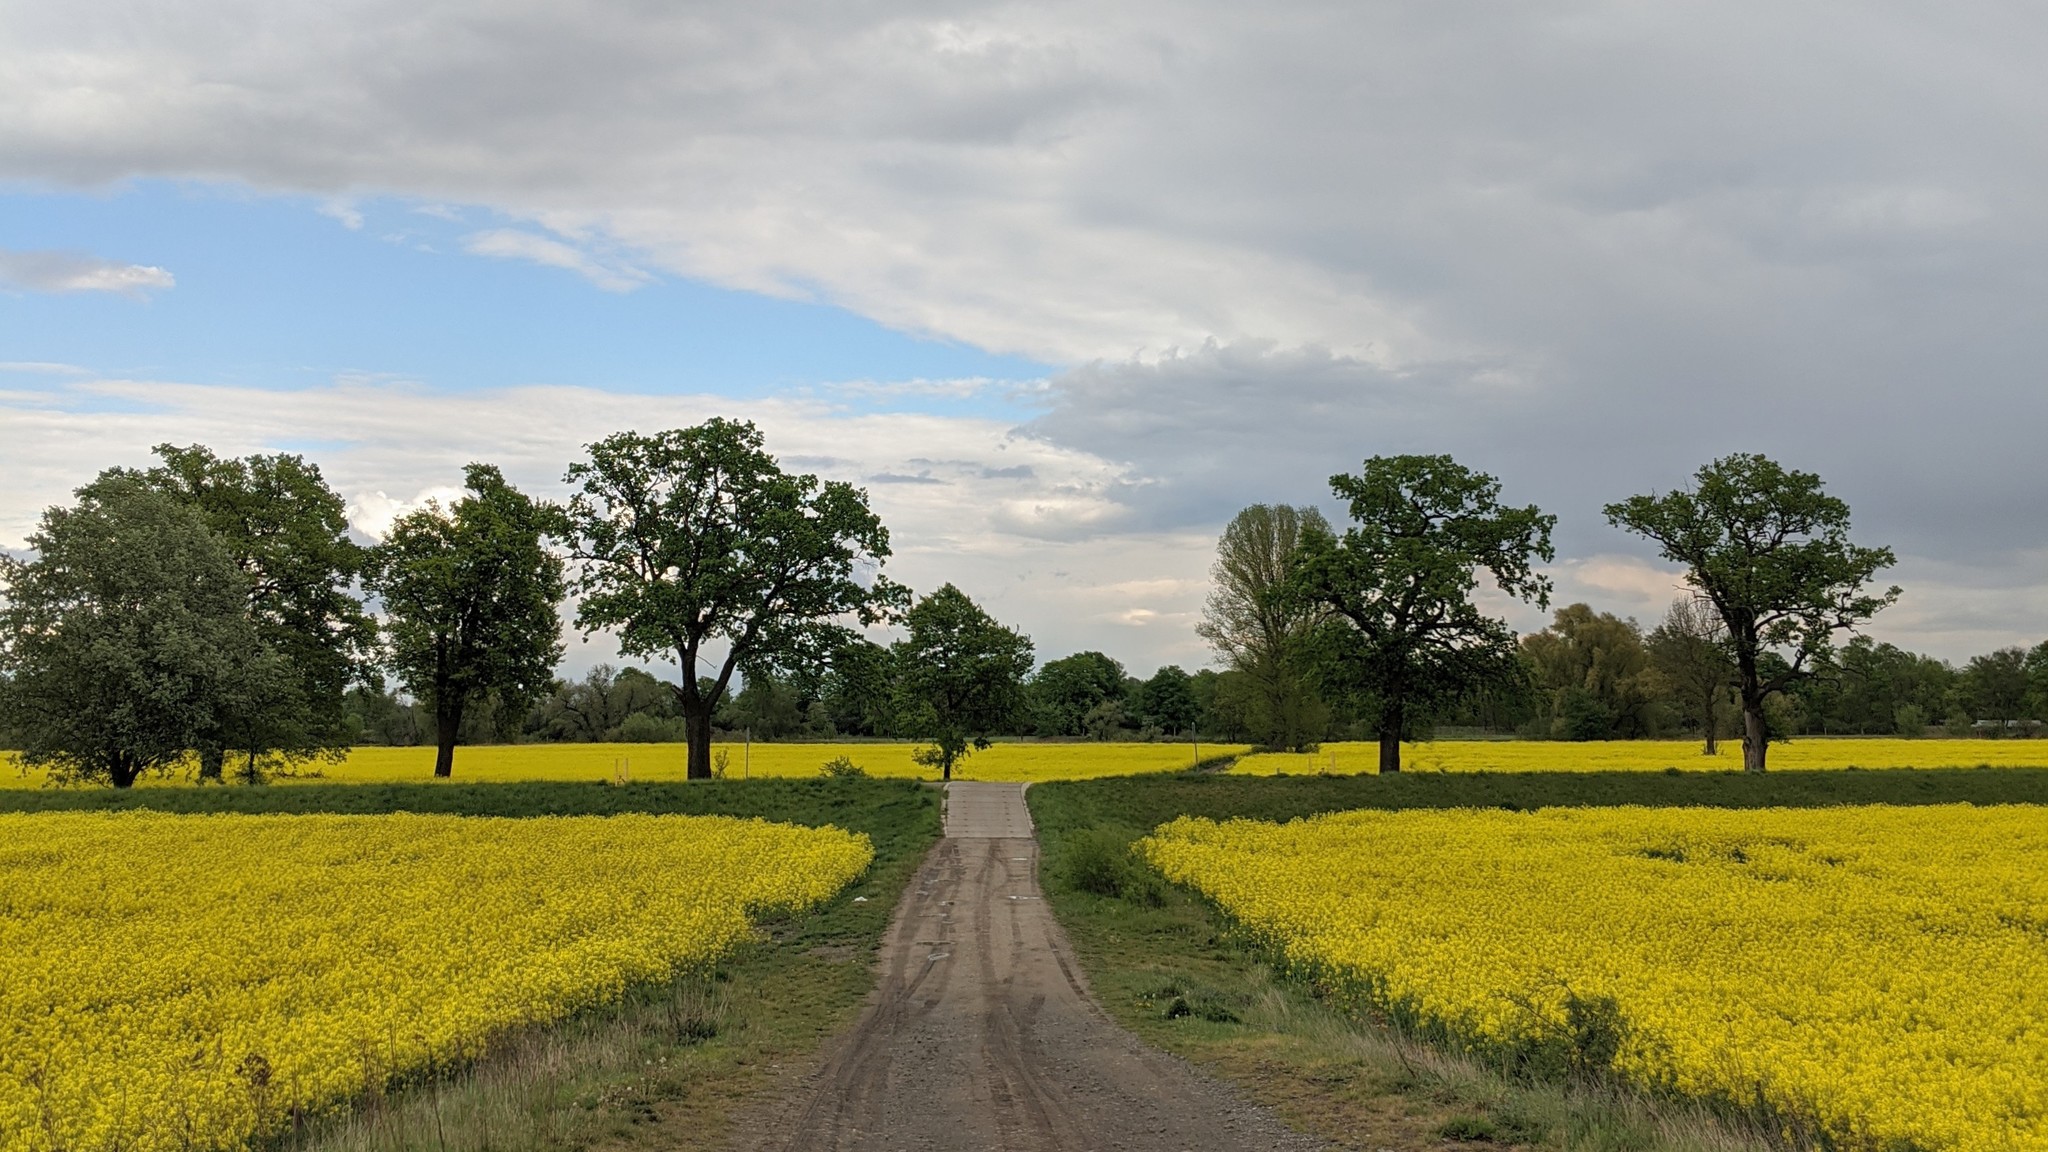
x=1770, y=550
x=959, y=677
x=697, y=537
x=1403, y=633
x=470, y=596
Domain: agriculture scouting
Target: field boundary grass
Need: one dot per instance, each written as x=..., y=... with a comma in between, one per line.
x=1170, y=966
x=670, y=1063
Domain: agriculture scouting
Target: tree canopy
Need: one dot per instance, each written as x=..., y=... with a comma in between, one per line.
x=287, y=532
x=1403, y=635
x=126, y=643
x=696, y=537
x=470, y=595
x=1769, y=548
x=1261, y=630
x=959, y=677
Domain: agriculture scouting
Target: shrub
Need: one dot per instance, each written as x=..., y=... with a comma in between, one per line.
x=1100, y=861
x=843, y=768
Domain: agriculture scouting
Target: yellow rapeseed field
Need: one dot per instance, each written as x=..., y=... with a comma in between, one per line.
x=503, y=762
x=1808, y=754
x=1880, y=971
x=185, y=982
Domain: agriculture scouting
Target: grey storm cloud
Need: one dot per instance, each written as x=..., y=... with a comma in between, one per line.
x=1585, y=245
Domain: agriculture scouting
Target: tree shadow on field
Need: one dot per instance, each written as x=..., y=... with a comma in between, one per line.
x=1143, y=803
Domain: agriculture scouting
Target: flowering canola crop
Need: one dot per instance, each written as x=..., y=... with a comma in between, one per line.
x=1881, y=972
x=175, y=982
x=1015, y=762
x=1810, y=754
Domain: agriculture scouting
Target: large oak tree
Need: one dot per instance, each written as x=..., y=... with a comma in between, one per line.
x=1403, y=635
x=1769, y=548
x=695, y=544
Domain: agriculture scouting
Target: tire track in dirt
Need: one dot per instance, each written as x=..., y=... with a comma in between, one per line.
x=982, y=1035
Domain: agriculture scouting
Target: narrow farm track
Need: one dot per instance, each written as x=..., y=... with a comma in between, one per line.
x=982, y=1034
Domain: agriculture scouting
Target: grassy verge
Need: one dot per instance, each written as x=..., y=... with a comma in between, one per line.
x=1166, y=965
x=670, y=1065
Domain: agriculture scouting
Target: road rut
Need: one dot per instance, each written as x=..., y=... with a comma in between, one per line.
x=982, y=1034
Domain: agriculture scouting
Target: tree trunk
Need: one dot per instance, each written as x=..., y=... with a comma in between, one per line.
x=1393, y=718
x=1713, y=722
x=447, y=722
x=121, y=772
x=211, y=757
x=1756, y=736
x=697, y=731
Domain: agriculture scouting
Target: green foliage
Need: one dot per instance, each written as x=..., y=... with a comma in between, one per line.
x=288, y=533
x=959, y=677
x=1770, y=550
x=842, y=768
x=1166, y=702
x=860, y=690
x=1100, y=862
x=697, y=536
x=1402, y=632
x=1596, y=676
x=1261, y=629
x=127, y=641
x=1068, y=692
x=470, y=596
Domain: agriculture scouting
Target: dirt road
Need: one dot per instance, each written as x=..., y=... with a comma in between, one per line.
x=982, y=1034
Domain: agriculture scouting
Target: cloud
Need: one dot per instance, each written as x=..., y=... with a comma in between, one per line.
x=1585, y=245
x=78, y=272
x=387, y=446
x=512, y=244
x=344, y=211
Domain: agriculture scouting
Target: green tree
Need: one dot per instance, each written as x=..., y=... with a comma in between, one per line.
x=470, y=595
x=1167, y=702
x=960, y=677
x=1597, y=674
x=287, y=532
x=1689, y=650
x=1769, y=548
x=859, y=689
x=1994, y=686
x=126, y=642
x=1403, y=635
x=1068, y=691
x=1262, y=631
x=696, y=537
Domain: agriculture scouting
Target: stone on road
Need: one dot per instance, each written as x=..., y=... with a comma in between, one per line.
x=982, y=1034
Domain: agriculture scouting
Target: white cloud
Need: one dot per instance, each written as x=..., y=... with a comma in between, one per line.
x=513, y=244
x=388, y=446
x=78, y=272
x=344, y=211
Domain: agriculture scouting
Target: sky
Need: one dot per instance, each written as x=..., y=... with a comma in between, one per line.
x=1062, y=286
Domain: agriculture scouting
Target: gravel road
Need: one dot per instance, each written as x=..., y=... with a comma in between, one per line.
x=982, y=1034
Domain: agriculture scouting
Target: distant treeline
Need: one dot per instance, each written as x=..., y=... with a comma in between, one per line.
x=218, y=611
x=1589, y=676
